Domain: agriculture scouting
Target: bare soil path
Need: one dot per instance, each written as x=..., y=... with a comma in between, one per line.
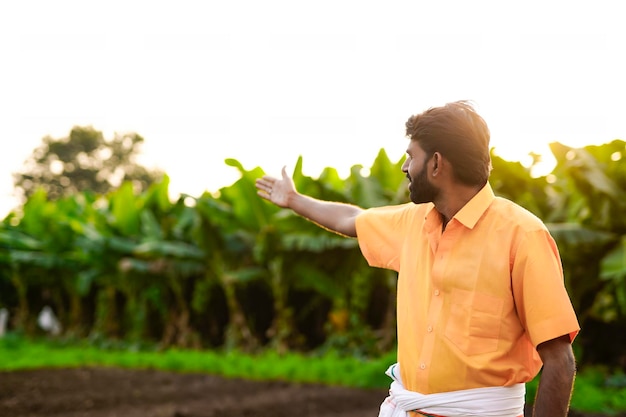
x=109, y=392
x=105, y=392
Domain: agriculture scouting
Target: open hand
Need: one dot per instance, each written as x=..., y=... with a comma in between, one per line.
x=276, y=190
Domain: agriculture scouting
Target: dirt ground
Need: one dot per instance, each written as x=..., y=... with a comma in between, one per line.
x=107, y=392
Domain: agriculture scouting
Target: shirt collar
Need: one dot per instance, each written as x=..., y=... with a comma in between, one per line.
x=473, y=210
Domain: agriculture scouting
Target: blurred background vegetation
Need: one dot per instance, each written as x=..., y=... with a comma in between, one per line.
x=100, y=242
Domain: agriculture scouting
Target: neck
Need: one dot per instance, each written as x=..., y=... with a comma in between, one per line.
x=454, y=199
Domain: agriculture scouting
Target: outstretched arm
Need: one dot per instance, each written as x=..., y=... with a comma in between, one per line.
x=338, y=217
x=557, y=378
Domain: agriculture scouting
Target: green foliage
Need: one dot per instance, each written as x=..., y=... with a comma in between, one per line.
x=83, y=161
x=611, y=300
x=229, y=270
x=596, y=391
x=581, y=250
x=514, y=181
x=596, y=181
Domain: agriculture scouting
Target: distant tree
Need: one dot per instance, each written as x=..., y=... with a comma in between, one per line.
x=84, y=161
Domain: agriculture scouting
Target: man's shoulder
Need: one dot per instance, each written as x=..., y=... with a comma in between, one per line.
x=514, y=214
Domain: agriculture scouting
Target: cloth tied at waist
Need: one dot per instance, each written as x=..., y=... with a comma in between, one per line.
x=476, y=402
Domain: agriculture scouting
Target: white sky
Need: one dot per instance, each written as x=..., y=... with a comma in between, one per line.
x=334, y=81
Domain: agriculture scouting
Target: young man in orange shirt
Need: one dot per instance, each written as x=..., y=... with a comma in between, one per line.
x=481, y=303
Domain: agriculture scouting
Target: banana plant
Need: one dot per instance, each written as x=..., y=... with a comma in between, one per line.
x=229, y=265
x=106, y=233
x=514, y=181
x=38, y=250
x=331, y=265
x=161, y=265
x=592, y=183
x=597, y=186
x=17, y=250
x=582, y=250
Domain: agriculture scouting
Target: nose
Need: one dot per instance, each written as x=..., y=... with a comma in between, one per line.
x=405, y=166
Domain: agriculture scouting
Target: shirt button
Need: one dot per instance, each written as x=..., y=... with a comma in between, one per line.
x=423, y=366
x=437, y=292
x=429, y=329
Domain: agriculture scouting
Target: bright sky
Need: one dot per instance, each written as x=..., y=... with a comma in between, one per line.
x=334, y=81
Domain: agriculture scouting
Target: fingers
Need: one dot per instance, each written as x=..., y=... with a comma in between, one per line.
x=264, y=191
x=264, y=195
x=264, y=187
x=265, y=183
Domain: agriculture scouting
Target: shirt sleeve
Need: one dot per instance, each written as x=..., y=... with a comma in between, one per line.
x=541, y=299
x=380, y=233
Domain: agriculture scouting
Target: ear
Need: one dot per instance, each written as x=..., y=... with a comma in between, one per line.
x=437, y=161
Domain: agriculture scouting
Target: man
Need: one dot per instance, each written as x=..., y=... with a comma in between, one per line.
x=481, y=303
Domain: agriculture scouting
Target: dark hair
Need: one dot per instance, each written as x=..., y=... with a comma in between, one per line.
x=457, y=132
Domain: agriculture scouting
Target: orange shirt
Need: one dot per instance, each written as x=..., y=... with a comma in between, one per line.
x=474, y=301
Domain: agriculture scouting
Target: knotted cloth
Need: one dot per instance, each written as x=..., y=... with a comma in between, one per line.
x=476, y=402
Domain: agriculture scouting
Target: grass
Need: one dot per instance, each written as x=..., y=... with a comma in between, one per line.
x=18, y=353
x=597, y=390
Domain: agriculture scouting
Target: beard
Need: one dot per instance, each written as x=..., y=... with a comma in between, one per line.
x=421, y=190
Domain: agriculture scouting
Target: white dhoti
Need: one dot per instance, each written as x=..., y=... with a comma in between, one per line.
x=476, y=402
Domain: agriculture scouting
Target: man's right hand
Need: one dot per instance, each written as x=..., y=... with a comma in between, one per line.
x=278, y=191
x=338, y=217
